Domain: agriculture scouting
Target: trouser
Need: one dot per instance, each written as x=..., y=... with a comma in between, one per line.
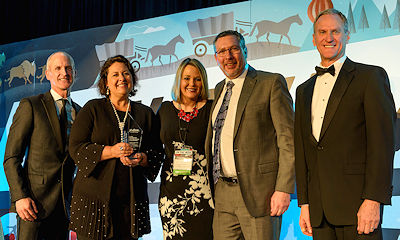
x=233, y=221
x=327, y=231
x=54, y=227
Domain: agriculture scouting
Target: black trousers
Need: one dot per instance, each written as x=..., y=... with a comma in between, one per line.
x=54, y=227
x=327, y=231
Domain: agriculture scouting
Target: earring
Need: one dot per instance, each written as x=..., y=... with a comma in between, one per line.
x=108, y=91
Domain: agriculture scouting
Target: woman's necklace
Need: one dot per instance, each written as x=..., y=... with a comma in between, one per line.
x=121, y=125
x=187, y=116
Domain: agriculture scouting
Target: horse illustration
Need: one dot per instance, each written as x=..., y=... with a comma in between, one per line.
x=24, y=70
x=281, y=28
x=169, y=49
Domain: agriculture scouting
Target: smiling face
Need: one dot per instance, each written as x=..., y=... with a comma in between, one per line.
x=232, y=64
x=191, y=84
x=60, y=73
x=119, y=80
x=330, y=38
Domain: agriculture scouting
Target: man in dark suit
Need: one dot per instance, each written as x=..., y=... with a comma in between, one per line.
x=344, y=140
x=36, y=162
x=249, y=146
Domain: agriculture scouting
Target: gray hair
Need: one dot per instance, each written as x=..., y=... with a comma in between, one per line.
x=71, y=60
x=332, y=11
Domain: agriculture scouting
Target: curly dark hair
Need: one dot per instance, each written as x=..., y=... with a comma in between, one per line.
x=102, y=84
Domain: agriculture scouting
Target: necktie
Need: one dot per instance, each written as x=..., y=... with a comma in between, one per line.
x=321, y=71
x=64, y=122
x=218, y=124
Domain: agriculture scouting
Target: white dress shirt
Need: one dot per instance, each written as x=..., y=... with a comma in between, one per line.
x=227, y=157
x=71, y=113
x=322, y=90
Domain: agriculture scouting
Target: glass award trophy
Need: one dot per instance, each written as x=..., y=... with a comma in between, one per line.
x=134, y=136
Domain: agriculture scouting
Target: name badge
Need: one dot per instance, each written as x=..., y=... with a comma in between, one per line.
x=183, y=161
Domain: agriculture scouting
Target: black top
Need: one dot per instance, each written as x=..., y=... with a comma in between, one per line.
x=182, y=216
x=95, y=185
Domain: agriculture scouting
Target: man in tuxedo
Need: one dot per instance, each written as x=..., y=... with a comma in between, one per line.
x=344, y=140
x=36, y=162
x=249, y=146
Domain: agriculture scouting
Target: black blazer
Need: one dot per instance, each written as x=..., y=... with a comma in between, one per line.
x=96, y=127
x=353, y=159
x=48, y=170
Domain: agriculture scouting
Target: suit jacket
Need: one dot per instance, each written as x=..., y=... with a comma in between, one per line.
x=263, y=139
x=353, y=159
x=46, y=173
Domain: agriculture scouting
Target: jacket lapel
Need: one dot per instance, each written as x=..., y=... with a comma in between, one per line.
x=217, y=94
x=342, y=82
x=308, y=94
x=48, y=103
x=248, y=86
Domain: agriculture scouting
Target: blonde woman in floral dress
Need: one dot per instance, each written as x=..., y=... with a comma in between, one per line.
x=185, y=205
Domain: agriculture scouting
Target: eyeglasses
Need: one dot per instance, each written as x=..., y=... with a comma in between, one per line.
x=232, y=50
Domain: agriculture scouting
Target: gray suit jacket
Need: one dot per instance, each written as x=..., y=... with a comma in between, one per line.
x=263, y=139
x=47, y=172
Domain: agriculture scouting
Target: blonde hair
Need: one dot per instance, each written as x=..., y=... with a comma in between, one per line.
x=176, y=88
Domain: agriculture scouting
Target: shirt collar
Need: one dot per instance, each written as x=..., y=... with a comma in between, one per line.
x=241, y=76
x=57, y=96
x=337, y=64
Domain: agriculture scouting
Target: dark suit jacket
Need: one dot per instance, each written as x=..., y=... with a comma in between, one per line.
x=353, y=159
x=263, y=139
x=47, y=172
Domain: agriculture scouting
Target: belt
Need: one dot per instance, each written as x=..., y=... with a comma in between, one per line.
x=233, y=180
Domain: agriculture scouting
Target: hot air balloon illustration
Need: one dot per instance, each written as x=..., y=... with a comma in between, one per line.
x=317, y=6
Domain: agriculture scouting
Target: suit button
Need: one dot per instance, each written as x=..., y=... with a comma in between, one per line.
x=320, y=147
x=58, y=180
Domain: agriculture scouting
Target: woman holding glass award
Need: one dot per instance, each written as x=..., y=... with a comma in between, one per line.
x=115, y=144
x=186, y=206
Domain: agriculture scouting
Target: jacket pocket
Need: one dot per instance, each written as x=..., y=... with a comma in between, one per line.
x=37, y=178
x=268, y=167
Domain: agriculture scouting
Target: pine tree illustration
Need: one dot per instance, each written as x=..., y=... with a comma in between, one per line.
x=350, y=19
x=363, y=20
x=396, y=22
x=385, y=23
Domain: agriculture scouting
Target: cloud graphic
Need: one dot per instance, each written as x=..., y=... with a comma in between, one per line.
x=156, y=29
x=136, y=30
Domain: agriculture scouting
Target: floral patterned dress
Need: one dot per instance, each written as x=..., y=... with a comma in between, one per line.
x=185, y=205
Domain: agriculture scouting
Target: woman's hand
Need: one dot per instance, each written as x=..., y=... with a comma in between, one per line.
x=119, y=150
x=138, y=159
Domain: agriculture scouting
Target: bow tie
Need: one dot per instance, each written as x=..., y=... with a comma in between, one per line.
x=322, y=71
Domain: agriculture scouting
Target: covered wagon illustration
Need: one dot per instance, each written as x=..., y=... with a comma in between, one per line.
x=133, y=53
x=203, y=31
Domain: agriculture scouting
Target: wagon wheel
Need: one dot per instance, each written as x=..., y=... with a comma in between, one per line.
x=200, y=50
x=136, y=65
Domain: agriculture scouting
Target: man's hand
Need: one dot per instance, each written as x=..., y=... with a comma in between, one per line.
x=304, y=222
x=279, y=203
x=368, y=216
x=26, y=209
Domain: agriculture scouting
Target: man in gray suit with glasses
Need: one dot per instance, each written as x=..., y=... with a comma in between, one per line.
x=249, y=146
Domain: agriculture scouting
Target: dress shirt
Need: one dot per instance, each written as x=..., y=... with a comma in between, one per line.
x=71, y=113
x=322, y=90
x=227, y=157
